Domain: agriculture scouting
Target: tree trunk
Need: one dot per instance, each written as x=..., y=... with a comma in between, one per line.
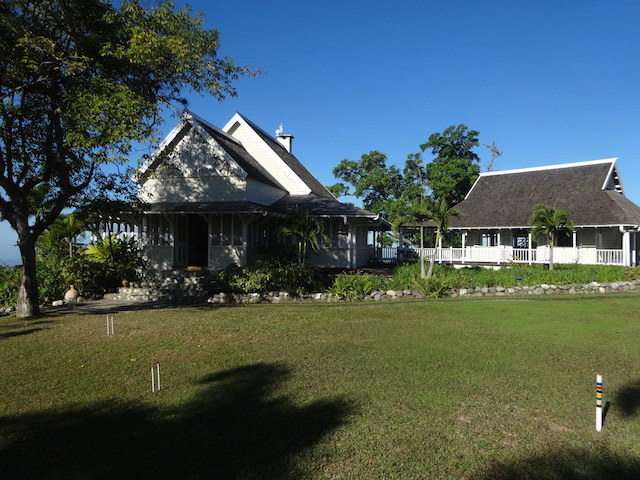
x=28, y=303
x=433, y=257
x=422, y=274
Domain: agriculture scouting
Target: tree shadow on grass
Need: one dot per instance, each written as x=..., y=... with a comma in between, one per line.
x=17, y=330
x=235, y=428
x=627, y=399
x=569, y=464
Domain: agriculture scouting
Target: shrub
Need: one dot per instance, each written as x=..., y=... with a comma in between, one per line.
x=435, y=287
x=9, y=282
x=91, y=278
x=51, y=280
x=120, y=257
x=267, y=276
x=352, y=286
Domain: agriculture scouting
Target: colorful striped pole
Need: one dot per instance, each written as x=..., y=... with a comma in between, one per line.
x=598, y=402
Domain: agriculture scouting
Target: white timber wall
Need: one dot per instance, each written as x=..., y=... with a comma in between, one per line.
x=269, y=160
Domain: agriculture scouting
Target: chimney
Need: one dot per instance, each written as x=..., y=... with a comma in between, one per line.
x=284, y=140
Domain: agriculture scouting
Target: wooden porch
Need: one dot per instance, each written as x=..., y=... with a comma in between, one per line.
x=505, y=254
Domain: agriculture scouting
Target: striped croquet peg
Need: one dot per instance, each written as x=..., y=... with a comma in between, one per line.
x=598, y=402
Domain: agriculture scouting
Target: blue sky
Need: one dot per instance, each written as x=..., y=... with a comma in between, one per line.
x=549, y=81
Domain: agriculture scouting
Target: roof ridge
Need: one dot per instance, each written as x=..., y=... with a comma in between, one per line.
x=551, y=167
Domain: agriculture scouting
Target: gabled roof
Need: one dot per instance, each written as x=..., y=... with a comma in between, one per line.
x=324, y=207
x=315, y=205
x=228, y=149
x=591, y=192
x=315, y=186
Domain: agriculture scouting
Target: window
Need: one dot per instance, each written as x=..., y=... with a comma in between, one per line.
x=226, y=230
x=338, y=232
x=156, y=230
x=489, y=239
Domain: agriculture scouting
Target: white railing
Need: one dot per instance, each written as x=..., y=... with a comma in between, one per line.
x=506, y=254
x=610, y=257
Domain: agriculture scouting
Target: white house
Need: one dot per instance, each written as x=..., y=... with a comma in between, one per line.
x=493, y=226
x=214, y=196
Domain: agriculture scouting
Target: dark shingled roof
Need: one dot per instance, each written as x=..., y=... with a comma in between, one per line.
x=293, y=163
x=506, y=199
x=255, y=170
x=210, y=207
x=315, y=205
x=322, y=207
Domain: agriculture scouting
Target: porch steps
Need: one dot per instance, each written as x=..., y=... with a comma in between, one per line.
x=179, y=286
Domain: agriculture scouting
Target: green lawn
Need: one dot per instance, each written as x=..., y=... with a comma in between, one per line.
x=433, y=390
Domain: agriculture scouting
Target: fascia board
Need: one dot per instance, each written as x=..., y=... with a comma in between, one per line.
x=155, y=156
x=613, y=169
x=548, y=167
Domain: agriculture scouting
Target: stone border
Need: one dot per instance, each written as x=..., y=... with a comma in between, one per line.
x=376, y=296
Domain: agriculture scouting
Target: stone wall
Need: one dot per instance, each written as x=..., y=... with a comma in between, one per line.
x=376, y=296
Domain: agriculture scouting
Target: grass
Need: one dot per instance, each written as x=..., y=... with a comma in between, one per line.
x=434, y=390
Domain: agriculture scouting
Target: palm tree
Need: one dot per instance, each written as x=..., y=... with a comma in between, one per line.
x=419, y=213
x=441, y=214
x=424, y=210
x=550, y=221
x=307, y=230
x=65, y=229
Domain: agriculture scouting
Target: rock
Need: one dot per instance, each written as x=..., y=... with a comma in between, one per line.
x=57, y=303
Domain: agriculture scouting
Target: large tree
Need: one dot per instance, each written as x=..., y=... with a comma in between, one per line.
x=376, y=183
x=550, y=221
x=455, y=167
x=383, y=188
x=80, y=81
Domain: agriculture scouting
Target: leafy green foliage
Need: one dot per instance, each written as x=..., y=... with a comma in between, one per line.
x=550, y=221
x=61, y=237
x=80, y=82
x=9, y=283
x=407, y=276
x=454, y=170
x=120, y=255
x=52, y=282
x=376, y=183
x=352, y=286
x=307, y=231
x=92, y=278
x=436, y=286
x=269, y=276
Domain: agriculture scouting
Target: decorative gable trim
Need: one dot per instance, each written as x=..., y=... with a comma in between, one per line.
x=613, y=181
x=178, y=133
x=197, y=124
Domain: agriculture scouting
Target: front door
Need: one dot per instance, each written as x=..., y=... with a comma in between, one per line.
x=191, y=245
